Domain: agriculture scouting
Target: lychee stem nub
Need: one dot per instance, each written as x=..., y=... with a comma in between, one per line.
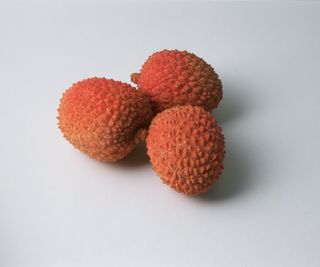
x=140, y=135
x=135, y=77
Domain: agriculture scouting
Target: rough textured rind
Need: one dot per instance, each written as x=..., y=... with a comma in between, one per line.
x=104, y=118
x=172, y=77
x=186, y=148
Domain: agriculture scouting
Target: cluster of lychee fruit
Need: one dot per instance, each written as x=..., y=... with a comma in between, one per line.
x=177, y=90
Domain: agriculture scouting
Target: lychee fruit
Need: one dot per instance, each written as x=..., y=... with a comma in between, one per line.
x=104, y=118
x=186, y=148
x=173, y=77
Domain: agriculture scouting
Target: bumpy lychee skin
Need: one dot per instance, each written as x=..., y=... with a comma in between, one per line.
x=172, y=77
x=104, y=118
x=186, y=148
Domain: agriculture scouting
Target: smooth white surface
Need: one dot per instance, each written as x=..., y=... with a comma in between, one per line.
x=60, y=208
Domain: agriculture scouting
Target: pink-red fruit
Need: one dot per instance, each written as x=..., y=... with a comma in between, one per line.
x=172, y=77
x=186, y=148
x=104, y=118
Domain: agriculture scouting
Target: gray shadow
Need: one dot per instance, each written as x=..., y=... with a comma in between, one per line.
x=230, y=107
x=136, y=158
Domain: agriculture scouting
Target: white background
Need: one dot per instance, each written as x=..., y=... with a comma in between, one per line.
x=60, y=208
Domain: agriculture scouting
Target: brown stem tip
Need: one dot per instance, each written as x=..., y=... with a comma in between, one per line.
x=135, y=77
x=141, y=135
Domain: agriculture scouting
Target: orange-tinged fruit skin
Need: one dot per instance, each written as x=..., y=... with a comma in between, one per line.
x=173, y=77
x=104, y=118
x=186, y=148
